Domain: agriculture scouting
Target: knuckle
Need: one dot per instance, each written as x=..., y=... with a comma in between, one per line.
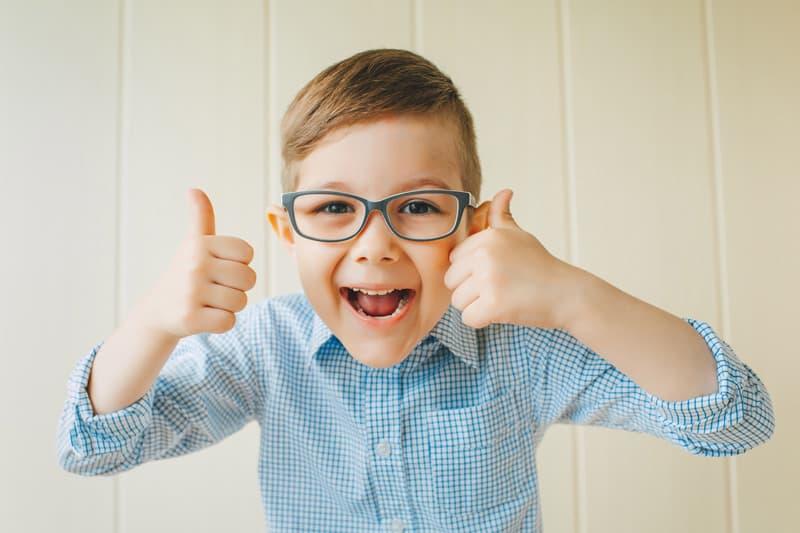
x=469, y=318
x=246, y=250
x=242, y=303
x=228, y=321
x=250, y=278
x=448, y=280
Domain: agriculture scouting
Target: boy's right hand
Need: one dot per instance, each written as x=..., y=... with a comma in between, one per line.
x=206, y=281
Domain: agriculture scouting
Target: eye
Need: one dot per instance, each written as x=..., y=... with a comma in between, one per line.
x=334, y=208
x=419, y=207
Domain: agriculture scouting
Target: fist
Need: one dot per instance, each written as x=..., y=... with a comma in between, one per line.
x=503, y=274
x=205, y=283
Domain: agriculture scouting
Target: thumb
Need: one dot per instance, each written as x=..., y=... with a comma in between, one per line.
x=500, y=210
x=202, y=213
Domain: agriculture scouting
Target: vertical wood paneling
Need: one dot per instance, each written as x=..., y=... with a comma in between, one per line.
x=758, y=75
x=204, y=85
x=645, y=214
x=306, y=37
x=193, y=98
x=505, y=60
x=58, y=73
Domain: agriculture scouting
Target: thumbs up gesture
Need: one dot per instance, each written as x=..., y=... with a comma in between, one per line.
x=205, y=283
x=503, y=274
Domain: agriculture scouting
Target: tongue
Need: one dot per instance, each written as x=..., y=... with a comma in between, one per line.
x=378, y=305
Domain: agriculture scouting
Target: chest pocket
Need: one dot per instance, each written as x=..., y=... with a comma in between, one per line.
x=480, y=456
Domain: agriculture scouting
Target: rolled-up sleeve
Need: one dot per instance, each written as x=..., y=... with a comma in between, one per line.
x=736, y=418
x=207, y=390
x=581, y=387
x=93, y=444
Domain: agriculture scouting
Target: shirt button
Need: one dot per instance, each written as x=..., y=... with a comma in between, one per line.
x=384, y=449
x=397, y=525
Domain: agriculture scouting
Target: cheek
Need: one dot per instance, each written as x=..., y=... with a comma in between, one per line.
x=316, y=264
x=435, y=264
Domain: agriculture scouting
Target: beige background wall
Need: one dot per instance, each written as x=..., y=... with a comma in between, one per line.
x=652, y=142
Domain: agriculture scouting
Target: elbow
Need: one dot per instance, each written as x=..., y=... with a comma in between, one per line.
x=754, y=429
x=71, y=459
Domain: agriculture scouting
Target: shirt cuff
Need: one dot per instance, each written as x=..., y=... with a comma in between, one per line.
x=91, y=433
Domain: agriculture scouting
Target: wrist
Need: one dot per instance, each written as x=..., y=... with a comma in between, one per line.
x=144, y=317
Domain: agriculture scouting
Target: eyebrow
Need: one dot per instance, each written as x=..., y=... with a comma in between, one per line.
x=418, y=183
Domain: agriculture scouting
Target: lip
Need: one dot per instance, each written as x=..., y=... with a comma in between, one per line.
x=372, y=321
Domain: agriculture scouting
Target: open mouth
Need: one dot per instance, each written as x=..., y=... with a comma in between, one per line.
x=382, y=304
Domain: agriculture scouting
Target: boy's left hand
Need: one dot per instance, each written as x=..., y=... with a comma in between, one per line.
x=504, y=274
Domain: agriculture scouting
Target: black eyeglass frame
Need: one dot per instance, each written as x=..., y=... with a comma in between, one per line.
x=464, y=198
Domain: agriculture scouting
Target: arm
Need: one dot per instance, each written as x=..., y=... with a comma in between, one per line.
x=578, y=386
x=608, y=358
x=660, y=352
x=199, y=292
x=504, y=274
x=119, y=403
x=128, y=362
x=207, y=390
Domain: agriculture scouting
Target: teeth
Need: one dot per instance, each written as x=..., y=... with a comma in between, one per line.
x=379, y=293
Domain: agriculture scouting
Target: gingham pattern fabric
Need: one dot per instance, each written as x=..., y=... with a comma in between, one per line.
x=443, y=441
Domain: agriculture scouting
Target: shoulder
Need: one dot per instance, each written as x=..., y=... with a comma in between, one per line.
x=515, y=342
x=282, y=330
x=288, y=315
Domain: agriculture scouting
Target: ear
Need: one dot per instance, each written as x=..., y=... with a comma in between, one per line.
x=279, y=220
x=480, y=218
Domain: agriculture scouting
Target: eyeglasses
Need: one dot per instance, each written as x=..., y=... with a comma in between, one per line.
x=332, y=216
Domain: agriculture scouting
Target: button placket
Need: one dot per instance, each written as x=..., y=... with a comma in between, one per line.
x=383, y=417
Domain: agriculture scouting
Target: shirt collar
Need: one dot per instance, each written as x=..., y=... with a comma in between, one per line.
x=321, y=334
x=460, y=339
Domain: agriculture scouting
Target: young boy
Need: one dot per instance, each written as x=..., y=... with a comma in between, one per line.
x=435, y=342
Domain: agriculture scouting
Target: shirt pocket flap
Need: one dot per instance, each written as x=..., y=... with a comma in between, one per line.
x=475, y=426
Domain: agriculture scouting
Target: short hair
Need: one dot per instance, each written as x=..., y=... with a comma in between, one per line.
x=368, y=86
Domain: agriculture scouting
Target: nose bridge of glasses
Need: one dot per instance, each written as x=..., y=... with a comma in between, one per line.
x=376, y=209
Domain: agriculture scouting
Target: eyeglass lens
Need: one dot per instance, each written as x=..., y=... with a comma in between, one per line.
x=417, y=216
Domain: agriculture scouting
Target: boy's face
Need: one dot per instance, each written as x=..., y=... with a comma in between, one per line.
x=374, y=160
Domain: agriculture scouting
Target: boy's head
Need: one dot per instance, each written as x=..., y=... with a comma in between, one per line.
x=377, y=124
x=368, y=86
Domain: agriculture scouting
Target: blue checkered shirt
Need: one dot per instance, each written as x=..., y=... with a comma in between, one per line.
x=443, y=441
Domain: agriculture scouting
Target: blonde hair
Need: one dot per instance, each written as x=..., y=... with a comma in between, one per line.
x=370, y=85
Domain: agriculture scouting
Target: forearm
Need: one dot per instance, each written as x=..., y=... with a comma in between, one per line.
x=661, y=353
x=128, y=363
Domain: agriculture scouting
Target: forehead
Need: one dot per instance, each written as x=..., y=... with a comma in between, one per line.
x=384, y=156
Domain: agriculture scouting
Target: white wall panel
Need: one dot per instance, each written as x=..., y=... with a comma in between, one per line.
x=619, y=130
x=193, y=115
x=645, y=222
x=58, y=122
x=757, y=49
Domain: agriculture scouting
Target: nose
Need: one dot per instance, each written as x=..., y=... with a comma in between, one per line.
x=376, y=243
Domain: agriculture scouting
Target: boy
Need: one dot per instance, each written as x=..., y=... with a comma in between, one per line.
x=382, y=406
